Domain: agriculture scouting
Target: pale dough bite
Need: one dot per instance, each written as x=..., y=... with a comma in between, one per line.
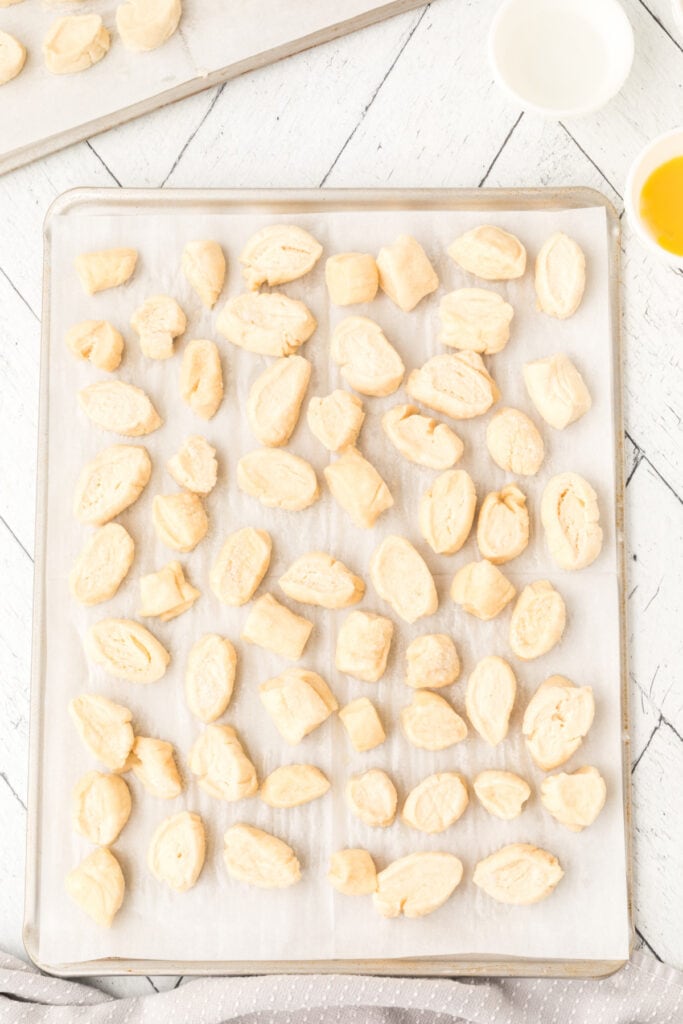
x=446, y=511
x=210, y=676
x=119, y=408
x=502, y=794
x=476, y=319
x=481, y=589
x=436, y=803
x=268, y=323
x=352, y=872
x=177, y=850
x=275, y=398
x=278, y=479
x=194, y=465
x=557, y=718
x=319, y=579
x=456, y=384
x=102, y=565
x=363, y=645
x=203, y=265
x=405, y=273
x=363, y=725
x=422, y=439
x=401, y=577
x=336, y=419
x=298, y=701
x=557, y=389
x=351, y=277
x=369, y=362
x=259, y=858
x=490, y=697
x=275, y=628
x=97, y=886
x=12, y=57
x=358, y=487
x=575, y=799
x=146, y=24
x=96, y=341
x=278, y=254
x=418, y=884
x=158, y=322
x=104, y=728
x=571, y=520
x=100, y=807
x=221, y=764
x=241, y=565
x=372, y=797
x=518, y=874
x=165, y=594
x=201, y=378
x=430, y=723
x=538, y=620
x=560, y=276
x=490, y=253
x=153, y=763
x=503, y=525
x=180, y=520
x=105, y=268
x=75, y=43
x=432, y=661
x=126, y=650
x=111, y=482
x=293, y=785
x=514, y=442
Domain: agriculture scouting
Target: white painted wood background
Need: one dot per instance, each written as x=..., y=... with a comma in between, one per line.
x=410, y=102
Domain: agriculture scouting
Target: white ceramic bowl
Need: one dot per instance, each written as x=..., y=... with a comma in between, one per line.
x=664, y=147
x=561, y=58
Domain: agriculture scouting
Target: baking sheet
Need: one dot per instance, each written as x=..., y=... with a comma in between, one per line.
x=220, y=920
x=216, y=40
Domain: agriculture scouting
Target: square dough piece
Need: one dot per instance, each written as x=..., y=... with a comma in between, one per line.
x=363, y=724
x=363, y=645
x=405, y=273
x=273, y=626
x=298, y=701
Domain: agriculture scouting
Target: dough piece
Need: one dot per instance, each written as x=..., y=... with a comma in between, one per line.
x=351, y=277
x=268, y=323
x=514, y=442
x=405, y=273
x=557, y=389
x=576, y=799
x=503, y=525
x=166, y=594
x=422, y=439
x=106, y=268
x=194, y=465
x=518, y=874
x=369, y=362
x=353, y=872
x=436, y=803
x=358, y=487
x=476, y=319
x=278, y=254
x=97, y=886
x=447, y=511
x=430, y=722
x=126, y=650
x=560, y=276
x=298, y=701
x=201, y=378
x=363, y=724
x=259, y=858
x=9, y=3
x=278, y=479
x=481, y=589
x=456, y=384
x=571, y=520
x=502, y=794
x=490, y=253
x=157, y=322
x=372, y=797
x=274, y=627
x=146, y=24
x=100, y=807
x=210, y=676
x=104, y=728
x=221, y=764
x=418, y=884
x=241, y=565
x=12, y=57
x=177, y=850
x=204, y=267
x=153, y=763
x=111, y=482
x=557, y=718
x=363, y=644
x=336, y=419
x=538, y=620
x=490, y=696
x=400, y=576
x=98, y=341
x=275, y=399
x=319, y=579
x=75, y=43
x=293, y=785
x=179, y=520
x=432, y=660
x=102, y=565
x=120, y=408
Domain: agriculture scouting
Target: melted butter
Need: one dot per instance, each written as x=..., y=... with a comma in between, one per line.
x=661, y=205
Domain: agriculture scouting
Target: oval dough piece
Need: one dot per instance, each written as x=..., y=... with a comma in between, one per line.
x=490, y=253
x=400, y=576
x=12, y=57
x=557, y=390
x=275, y=398
x=518, y=874
x=241, y=565
x=146, y=24
x=363, y=645
x=201, y=378
x=436, y=803
x=110, y=483
x=405, y=273
x=571, y=519
x=353, y=872
x=298, y=701
x=502, y=794
x=97, y=886
x=105, y=268
x=204, y=267
x=358, y=487
x=514, y=442
x=278, y=254
x=210, y=676
x=482, y=589
x=259, y=858
x=476, y=319
x=120, y=408
x=490, y=696
x=153, y=763
x=102, y=565
x=456, y=384
x=336, y=419
x=430, y=722
x=318, y=578
x=275, y=628
x=503, y=525
x=538, y=620
x=576, y=799
x=100, y=807
x=369, y=362
x=363, y=724
x=560, y=276
x=97, y=341
x=75, y=43
x=447, y=510
x=293, y=785
x=557, y=718
x=126, y=650
x=104, y=728
x=372, y=797
x=219, y=760
x=158, y=322
x=177, y=850
x=421, y=439
x=194, y=465
x=418, y=884
x=268, y=323
x=179, y=520
x=166, y=594
x=278, y=479
x=432, y=660
x=351, y=277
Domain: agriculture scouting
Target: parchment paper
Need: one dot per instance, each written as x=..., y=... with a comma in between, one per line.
x=221, y=919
